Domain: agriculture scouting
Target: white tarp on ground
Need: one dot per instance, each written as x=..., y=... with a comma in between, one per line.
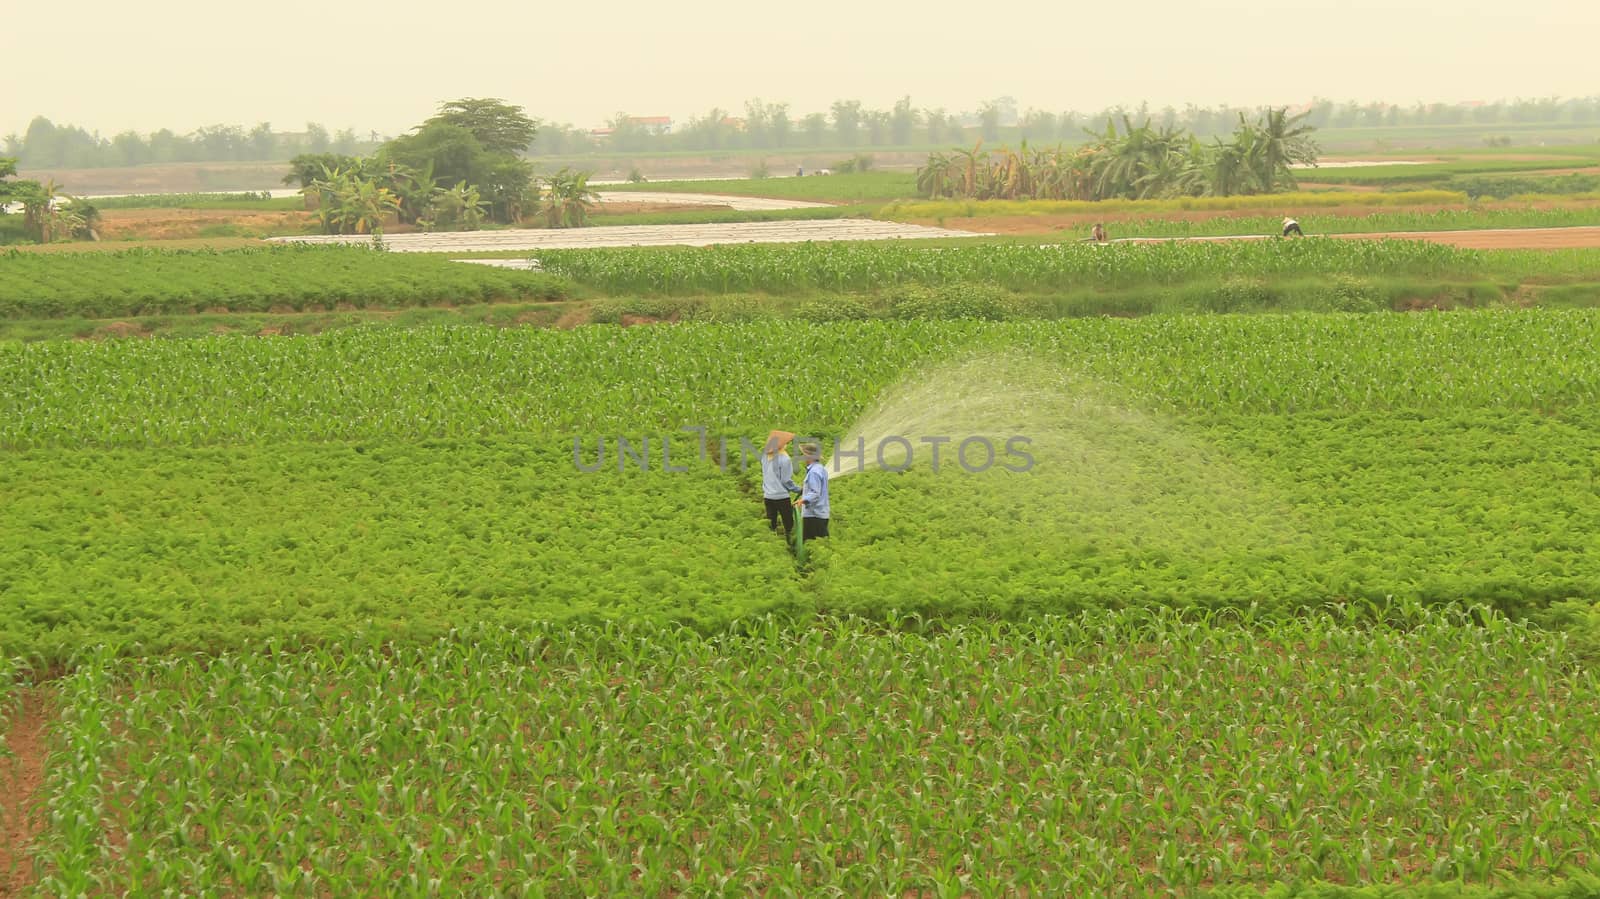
x=643, y=236
x=743, y=204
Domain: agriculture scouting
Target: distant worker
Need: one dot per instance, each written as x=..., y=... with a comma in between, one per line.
x=777, y=482
x=814, y=510
x=1099, y=233
x=800, y=172
x=1290, y=226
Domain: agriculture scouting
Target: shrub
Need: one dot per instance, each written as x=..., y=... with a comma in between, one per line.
x=837, y=309
x=1352, y=294
x=950, y=301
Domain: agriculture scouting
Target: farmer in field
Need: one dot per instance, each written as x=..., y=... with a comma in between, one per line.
x=1099, y=233
x=814, y=494
x=1290, y=226
x=777, y=482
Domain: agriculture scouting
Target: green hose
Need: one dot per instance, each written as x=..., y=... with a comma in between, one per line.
x=800, y=536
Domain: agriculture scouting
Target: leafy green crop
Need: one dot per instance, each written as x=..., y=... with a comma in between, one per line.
x=144, y=282
x=843, y=266
x=1109, y=754
x=458, y=382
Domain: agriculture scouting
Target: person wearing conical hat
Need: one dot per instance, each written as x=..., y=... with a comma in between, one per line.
x=777, y=481
x=1290, y=226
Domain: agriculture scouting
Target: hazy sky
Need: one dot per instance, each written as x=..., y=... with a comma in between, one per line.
x=111, y=65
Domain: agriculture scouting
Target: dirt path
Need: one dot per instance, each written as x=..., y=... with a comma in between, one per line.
x=1487, y=239
x=20, y=779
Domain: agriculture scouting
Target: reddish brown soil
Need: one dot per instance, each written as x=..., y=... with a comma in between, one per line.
x=1507, y=239
x=1082, y=221
x=169, y=224
x=20, y=779
x=1503, y=239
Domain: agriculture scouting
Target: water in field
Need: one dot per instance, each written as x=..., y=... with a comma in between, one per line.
x=1084, y=488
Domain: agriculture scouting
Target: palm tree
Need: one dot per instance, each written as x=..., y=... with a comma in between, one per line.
x=1282, y=139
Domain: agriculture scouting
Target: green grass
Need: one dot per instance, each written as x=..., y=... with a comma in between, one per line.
x=858, y=187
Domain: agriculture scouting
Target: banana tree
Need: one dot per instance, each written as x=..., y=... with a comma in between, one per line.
x=933, y=179
x=568, y=199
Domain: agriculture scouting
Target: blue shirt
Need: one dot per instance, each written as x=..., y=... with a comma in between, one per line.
x=815, y=491
x=777, y=476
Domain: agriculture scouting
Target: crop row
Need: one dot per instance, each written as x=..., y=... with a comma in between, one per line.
x=1110, y=755
x=1432, y=220
x=843, y=266
x=152, y=551
x=146, y=282
x=456, y=382
x=175, y=548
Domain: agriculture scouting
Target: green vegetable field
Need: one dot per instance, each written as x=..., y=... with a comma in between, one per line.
x=147, y=282
x=1277, y=601
x=1113, y=754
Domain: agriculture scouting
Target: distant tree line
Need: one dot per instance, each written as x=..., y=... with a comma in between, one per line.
x=848, y=124
x=46, y=145
x=775, y=126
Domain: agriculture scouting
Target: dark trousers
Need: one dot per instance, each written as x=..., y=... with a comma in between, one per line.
x=777, y=508
x=812, y=528
x=1293, y=229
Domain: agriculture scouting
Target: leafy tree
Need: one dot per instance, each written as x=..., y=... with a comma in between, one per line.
x=8, y=169
x=778, y=121
x=815, y=127
x=317, y=140
x=989, y=117
x=847, y=121
x=263, y=143
x=498, y=126
x=902, y=121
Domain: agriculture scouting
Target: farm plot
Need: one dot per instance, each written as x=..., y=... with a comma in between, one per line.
x=352, y=609
x=1284, y=462
x=144, y=282
x=1108, y=754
